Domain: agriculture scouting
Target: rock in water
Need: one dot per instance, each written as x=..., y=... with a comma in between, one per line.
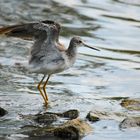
x=64, y=125
x=46, y=118
x=71, y=114
x=2, y=112
x=73, y=129
x=50, y=117
x=131, y=104
x=92, y=117
x=130, y=122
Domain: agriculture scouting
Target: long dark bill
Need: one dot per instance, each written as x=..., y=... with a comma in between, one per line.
x=90, y=47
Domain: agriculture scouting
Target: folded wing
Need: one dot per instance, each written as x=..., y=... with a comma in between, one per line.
x=45, y=52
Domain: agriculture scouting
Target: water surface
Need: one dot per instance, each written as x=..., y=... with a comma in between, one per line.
x=96, y=77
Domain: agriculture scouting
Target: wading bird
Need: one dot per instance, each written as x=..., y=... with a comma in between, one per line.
x=47, y=55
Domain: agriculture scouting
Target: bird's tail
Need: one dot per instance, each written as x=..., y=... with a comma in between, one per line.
x=5, y=30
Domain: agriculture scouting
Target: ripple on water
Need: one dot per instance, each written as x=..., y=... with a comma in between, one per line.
x=96, y=78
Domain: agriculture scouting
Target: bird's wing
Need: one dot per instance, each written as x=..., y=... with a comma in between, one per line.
x=45, y=49
x=42, y=32
x=26, y=31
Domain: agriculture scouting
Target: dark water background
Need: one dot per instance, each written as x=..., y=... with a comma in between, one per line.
x=96, y=77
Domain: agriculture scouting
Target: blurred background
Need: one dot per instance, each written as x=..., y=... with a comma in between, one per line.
x=96, y=79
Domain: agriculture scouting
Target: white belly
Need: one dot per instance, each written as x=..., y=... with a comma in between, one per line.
x=52, y=67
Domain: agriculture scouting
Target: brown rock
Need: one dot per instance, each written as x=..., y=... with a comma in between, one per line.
x=73, y=129
x=131, y=104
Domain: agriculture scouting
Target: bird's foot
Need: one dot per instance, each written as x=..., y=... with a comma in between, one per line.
x=46, y=104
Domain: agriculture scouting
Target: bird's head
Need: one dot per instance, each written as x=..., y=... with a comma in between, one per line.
x=77, y=41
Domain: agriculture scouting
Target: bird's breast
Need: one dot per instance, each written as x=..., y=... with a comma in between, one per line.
x=69, y=61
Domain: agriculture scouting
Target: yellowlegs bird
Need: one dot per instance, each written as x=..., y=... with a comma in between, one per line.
x=47, y=55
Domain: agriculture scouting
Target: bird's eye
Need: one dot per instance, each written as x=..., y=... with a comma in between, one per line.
x=80, y=41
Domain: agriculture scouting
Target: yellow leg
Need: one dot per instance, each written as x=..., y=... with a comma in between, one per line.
x=40, y=89
x=44, y=88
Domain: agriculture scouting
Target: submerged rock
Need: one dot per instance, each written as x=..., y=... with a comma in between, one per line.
x=92, y=117
x=38, y=131
x=70, y=114
x=131, y=104
x=41, y=118
x=102, y=114
x=116, y=98
x=72, y=129
x=2, y=112
x=130, y=122
x=50, y=117
x=64, y=125
x=47, y=118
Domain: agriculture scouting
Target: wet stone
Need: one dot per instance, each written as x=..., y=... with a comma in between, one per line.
x=46, y=118
x=50, y=117
x=27, y=129
x=72, y=129
x=41, y=118
x=2, y=112
x=98, y=113
x=131, y=104
x=92, y=117
x=39, y=131
x=130, y=122
x=71, y=114
x=67, y=132
x=116, y=98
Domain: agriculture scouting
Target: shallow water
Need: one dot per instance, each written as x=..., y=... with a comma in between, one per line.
x=111, y=25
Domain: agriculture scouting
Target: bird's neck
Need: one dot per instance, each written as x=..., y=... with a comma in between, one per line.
x=72, y=50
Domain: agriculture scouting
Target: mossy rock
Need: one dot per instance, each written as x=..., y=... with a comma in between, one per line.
x=72, y=129
x=131, y=104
